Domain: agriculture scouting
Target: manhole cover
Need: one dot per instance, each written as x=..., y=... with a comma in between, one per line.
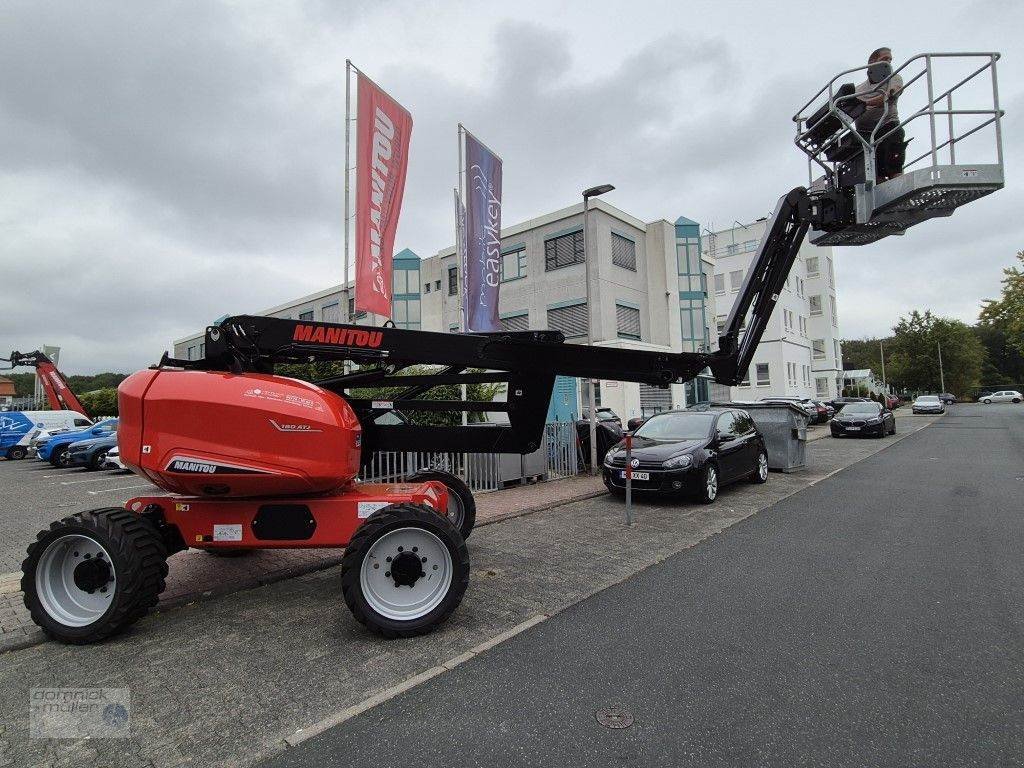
x=615, y=717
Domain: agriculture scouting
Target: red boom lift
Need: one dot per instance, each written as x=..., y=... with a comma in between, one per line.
x=58, y=393
x=249, y=459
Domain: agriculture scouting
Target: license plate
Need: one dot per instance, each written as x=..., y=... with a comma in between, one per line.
x=636, y=475
x=853, y=429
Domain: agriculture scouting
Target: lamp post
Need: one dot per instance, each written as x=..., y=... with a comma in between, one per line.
x=587, y=194
x=942, y=377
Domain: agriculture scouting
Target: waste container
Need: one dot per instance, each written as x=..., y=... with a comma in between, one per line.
x=784, y=428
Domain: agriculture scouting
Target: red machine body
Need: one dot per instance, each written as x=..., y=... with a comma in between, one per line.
x=213, y=434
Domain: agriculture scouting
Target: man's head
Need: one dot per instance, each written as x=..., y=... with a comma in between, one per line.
x=880, y=54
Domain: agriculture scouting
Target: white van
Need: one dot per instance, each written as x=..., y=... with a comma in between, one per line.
x=19, y=428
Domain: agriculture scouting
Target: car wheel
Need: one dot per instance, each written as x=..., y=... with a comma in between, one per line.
x=761, y=469
x=97, y=461
x=59, y=456
x=16, y=453
x=986, y=401
x=1016, y=399
x=707, y=491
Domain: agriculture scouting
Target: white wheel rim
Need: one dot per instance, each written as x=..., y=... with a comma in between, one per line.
x=712, y=483
x=405, y=602
x=455, y=511
x=762, y=467
x=58, y=589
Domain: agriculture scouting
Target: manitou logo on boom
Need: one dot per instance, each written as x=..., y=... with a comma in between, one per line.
x=345, y=337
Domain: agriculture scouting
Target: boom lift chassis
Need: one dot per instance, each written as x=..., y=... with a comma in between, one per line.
x=406, y=565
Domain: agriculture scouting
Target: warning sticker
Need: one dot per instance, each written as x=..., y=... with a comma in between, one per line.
x=232, y=532
x=367, y=508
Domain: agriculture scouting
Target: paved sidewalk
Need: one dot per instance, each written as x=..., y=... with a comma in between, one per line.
x=195, y=575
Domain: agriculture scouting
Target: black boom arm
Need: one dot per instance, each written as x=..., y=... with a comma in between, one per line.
x=527, y=362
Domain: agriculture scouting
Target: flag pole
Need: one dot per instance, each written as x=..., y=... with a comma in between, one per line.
x=348, y=155
x=460, y=248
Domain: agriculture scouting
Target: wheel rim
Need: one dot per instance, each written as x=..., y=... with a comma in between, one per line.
x=101, y=458
x=455, y=512
x=75, y=580
x=762, y=466
x=63, y=458
x=390, y=561
x=712, y=485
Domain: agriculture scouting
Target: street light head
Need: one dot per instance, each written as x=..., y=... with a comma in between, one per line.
x=598, y=190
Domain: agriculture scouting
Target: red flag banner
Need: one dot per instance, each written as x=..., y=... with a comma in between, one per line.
x=383, y=130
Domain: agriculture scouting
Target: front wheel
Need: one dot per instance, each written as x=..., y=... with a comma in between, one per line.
x=707, y=489
x=97, y=461
x=986, y=401
x=461, y=505
x=17, y=452
x=761, y=469
x=59, y=456
x=93, y=574
x=404, y=571
x=1016, y=399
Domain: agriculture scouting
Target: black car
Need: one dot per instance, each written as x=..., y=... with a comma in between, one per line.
x=866, y=418
x=90, y=454
x=948, y=398
x=693, y=451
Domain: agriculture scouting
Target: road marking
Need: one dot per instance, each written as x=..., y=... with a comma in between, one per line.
x=119, y=488
x=348, y=713
x=90, y=480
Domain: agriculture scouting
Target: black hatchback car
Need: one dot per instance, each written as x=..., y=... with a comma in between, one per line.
x=696, y=451
x=867, y=418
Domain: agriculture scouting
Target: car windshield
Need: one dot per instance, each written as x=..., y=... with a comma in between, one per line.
x=677, y=426
x=862, y=408
x=928, y=399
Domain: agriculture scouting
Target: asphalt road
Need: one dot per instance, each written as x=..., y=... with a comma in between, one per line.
x=873, y=619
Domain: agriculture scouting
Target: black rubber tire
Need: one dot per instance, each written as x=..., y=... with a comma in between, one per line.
x=57, y=454
x=701, y=491
x=455, y=485
x=376, y=525
x=138, y=555
x=1016, y=399
x=96, y=462
x=17, y=452
x=755, y=477
x=618, y=493
x=987, y=402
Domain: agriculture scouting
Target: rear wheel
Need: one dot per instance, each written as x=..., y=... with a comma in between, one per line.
x=17, y=452
x=91, y=575
x=98, y=460
x=987, y=401
x=1016, y=399
x=461, y=505
x=761, y=468
x=707, y=488
x=404, y=571
x=59, y=456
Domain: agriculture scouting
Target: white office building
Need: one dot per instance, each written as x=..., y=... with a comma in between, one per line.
x=799, y=354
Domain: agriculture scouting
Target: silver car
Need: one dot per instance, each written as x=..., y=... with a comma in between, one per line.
x=928, y=404
x=1002, y=396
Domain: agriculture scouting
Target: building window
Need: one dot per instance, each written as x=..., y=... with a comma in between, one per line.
x=835, y=316
x=807, y=375
x=627, y=321
x=839, y=352
x=720, y=284
x=623, y=252
x=654, y=399
x=331, y=313
x=513, y=265
x=736, y=280
x=763, y=377
x=818, y=347
x=787, y=319
x=821, y=386
x=721, y=327
x=190, y=353
x=800, y=287
x=437, y=285
x=307, y=316
x=406, y=313
x=812, y=266
x=516, y=322
x=831, y=275
x=453, y=281
x=352, y=314
x=426, y=287
x=803, y=326
x=745, y=381
x=563, y=251
x=202, y=349
x=815, y=303
x=571, y=320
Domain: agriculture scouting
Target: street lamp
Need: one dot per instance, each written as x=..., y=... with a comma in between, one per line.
x=587, y=194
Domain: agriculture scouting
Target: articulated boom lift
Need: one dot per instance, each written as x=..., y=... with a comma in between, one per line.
x=58, y=393
x=254, y=460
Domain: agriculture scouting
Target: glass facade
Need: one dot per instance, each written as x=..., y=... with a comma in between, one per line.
x=405, y=303
x=693, y=292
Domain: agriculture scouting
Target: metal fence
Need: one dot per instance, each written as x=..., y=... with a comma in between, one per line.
x=557, y=457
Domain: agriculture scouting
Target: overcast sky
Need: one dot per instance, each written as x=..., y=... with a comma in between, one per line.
x=165, y=163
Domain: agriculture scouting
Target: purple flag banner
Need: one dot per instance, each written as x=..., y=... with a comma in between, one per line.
x=482, y=238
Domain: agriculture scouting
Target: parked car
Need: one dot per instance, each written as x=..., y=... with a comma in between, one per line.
x=839, y=402
x=91, y=454
x=55, y=449
x=19, y=428
x=928, y=404
x=694, y=451
x=1002, y=396
x=603, y=414
x=865, y=418
x=891, y=402
x=829, y=408
x=113, y=460
x=947, y=398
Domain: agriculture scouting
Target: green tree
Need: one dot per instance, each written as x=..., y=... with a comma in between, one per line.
x=864, y=353
x=100, y=402
x=1007, y=312
x=912, y=359
x=1005, y=363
